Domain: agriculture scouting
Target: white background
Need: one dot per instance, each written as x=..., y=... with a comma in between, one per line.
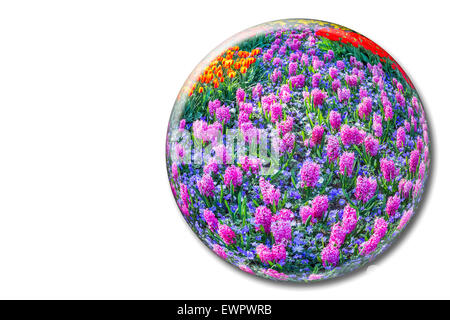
x=86, y=89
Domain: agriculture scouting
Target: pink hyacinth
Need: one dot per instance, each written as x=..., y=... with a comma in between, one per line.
x=246, y=108
x=392, y=205
x=335, y=120
x=264, y=253
x=281, y=231
x=306, y=95
x=285, y=93
x=249, y=132
x=422, y=169
x=333, y=148
x=335, y=85
x=212, y=107
x=223, y=114
x=405, y=218
x=365, y=108
x=401, y=137
x=380, y=227
x=257, y=91
x=297, y=81
x=419, y=144
x=287, y=143
x=276, y=111
x=315, y=80
x=309, y=174
x=351, y=80
x=250, y=164
x=406, y=188
x=346, y=163
x=220, y=251
x=212, y=132
x=200, y=128
x=337, y=236
x=210, y=219
x=185, y=210
x=319, y=206
x=284, y=214
x=293, y=68
x=305, y=213
x=333, y=72
x=417, y=187
x=349, y=219
x=184, y=195
x=182, y=124
x=227, y=234
x=331, y=54
x=245, y=268
x=388, y=113
x=330, y=255
x=278, y=252
x=415, y=103
x=277, y=62
x=275, y=274
x=294, y=57
x=363, y=93
x=318, y=96
x=371, y=145
x=211, y=166
x=304, y=60
x=351, y=135
x=276, y=75
x=285, y=126
x=400, y=99
x=263, y=217
x=174, y=171
x=255, y=165
x=388, y=169
x=365, y=188
x=179, y=150
x=314, y=276
x=413, y=160
x=407, y=125
x=317, y=134
x=245, y=163
x=206, y=185
x=317, y=63
x=377, y=125
x=240, y=95
x=222, y=155
x=270, y=194
x=343, y=94
x=369, y=246
x=233, y=175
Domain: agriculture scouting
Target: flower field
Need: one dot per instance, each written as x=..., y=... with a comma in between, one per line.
x=298, y=153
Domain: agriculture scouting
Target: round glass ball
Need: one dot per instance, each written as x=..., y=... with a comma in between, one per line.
x=298, y=150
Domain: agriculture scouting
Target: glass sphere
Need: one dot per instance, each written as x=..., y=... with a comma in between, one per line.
x=298, y=150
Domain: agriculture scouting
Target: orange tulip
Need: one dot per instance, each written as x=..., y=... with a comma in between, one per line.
x=243, y=70
x=200, y=90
